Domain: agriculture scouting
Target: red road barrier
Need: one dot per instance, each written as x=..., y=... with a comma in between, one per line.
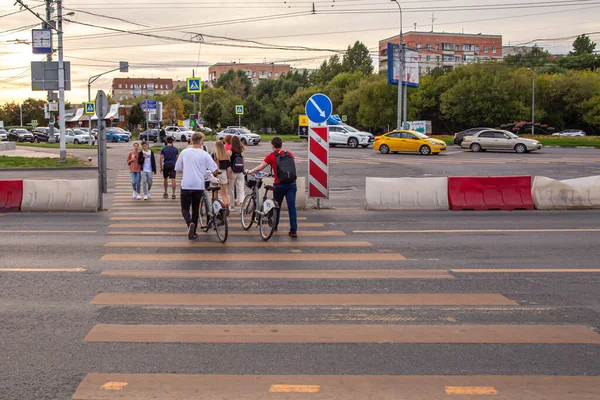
x=11, y=195
x=490, y=193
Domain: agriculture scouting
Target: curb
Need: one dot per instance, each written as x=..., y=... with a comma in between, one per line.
x=49, y=169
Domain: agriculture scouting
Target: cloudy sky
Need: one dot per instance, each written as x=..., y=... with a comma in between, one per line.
x=167, y=33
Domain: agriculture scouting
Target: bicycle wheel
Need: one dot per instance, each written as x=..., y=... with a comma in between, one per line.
x=204, y=217
x=222, y=225
x=247, y=212
x=267, y=224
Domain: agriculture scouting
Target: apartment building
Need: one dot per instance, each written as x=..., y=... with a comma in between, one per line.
x=128, y=88
x=254, y=71
x=442, y=49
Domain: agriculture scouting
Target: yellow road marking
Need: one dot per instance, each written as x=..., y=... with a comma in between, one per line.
x=36, y=231
x=417, y=299
x=113, y=386
x=295, y=389
x=182, y=225
x=255, y=257
x=344, y=333
x=478, y=390
x=524, y=270
x=233, y=233
x=238, y=244
x=283, y=274
x=481, y=230
x=42, y=269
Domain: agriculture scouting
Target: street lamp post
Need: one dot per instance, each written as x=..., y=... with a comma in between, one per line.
x=532, y=101
x=400, y=124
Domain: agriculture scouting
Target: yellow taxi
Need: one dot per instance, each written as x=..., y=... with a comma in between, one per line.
x=408, y=141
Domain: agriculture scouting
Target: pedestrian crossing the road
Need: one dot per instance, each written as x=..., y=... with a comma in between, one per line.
x=329, y=315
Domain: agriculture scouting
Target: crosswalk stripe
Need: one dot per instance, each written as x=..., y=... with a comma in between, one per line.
x=387, y=231
x=43, y=231
x=233, y=233
x=245, y=300
x=346, y=387
x=42, y=269
x=471, y=390
x=525, y=271
x=179, y=218
x=295, y=243
x=342, y=333
x=282, y=274
x=182, y=225
x=255, y=257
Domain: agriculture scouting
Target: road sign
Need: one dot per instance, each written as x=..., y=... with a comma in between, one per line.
x=41, y=41
x=148, y=105
x=194, y=85
x=319, y=108
x=303, y=120
x=90, y=108
x=344, y=118
x=44, y=75
x=80, y=123
x=111, y=117
x=318, y=162
x=239, y=110
x=34, y=123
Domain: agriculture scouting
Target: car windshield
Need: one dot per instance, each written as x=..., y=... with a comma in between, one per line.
x=510, y=134
x=419, y=135
x=78, y=132
x=20, y=130
x=350, y=129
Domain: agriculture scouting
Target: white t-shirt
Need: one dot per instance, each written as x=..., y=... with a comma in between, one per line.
x=147, y=161
x=194, y=163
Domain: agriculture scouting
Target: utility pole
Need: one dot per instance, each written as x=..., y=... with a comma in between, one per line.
x=533, y=105
x=61, y=84
x=400, y=125
x=194, y=94
x=21, y=109
x=51, y=138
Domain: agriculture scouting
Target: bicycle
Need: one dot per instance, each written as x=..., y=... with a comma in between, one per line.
x=215, y=216
x=265, y=213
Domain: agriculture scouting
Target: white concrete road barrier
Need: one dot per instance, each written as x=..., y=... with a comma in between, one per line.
x=8, y=146
x=407, y=194
x=300, y=195
x=580, y=193
x=60, y=195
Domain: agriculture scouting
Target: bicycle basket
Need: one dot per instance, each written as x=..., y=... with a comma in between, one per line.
x=250, y=181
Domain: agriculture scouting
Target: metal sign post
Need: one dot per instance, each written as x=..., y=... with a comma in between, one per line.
x=101, y=110
x=318, y=110
x=239, y=110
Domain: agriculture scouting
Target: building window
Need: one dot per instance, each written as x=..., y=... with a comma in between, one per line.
x=457, y=48
x=437, y=46
x=428, y=69
x=276, y=74
x=420, y=57
x=448, y=46
x=428, y=46
x=437, y=59
x=476, y=49
x=494, y=49
x=253, y=73
x=120, y=98
x=428, y=58
x=419, y=47
x=485, y=49
x=457, y=60
x=420, y=70
x=120, y=86
x=467, y=47
x=448, y=57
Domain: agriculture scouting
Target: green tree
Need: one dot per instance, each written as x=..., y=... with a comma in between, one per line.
x=11, y=114
x=33, y=109
x=583, y=45
x=173, y=109
x=528, y=57
x=253, y=110
x=358, y=59
x=327, y=70
x=342, y=83
x=136, y=116
x=378, y=104
x=236, y=83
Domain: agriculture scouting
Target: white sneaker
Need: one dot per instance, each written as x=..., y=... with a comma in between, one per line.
x=139, y=197
x=148, y=194
x=145, y=197
x=134, y=194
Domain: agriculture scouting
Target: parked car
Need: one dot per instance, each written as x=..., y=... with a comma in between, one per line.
x=86, y=130
x=458, y=137
x=151, y=135
x=246, y=137
x=408, y=141
x=499, y=140
x=19, y=135
x=81, y=137
x=3, y=135
x=346, y=135
x=113, y=135
x=42, y=134
x=123, y=131
x=179, y=133
x=570, y=132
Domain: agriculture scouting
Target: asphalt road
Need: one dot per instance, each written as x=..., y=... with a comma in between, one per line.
x=363, y=305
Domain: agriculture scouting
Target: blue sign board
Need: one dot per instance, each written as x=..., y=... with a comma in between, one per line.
x=319, y=108
x=194, y=85
x=148, y=105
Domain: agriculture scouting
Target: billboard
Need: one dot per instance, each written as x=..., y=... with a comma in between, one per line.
x=411, y=66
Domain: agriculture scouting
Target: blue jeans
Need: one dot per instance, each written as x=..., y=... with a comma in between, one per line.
x=287, y=190
x=135, y=181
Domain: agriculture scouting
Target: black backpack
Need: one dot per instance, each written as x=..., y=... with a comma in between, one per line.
x=286, y=168
x=237, y=166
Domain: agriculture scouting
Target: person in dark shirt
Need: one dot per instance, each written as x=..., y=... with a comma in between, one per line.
x=168, y=159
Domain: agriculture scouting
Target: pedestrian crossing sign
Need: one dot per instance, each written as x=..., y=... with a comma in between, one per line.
x=239, y=110
x=194, y=85
x=90, y=108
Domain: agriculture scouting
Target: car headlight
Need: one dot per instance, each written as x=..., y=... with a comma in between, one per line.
x=435, y=143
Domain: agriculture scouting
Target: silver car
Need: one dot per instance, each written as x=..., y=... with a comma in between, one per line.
x=246, y=137
x=499, y=140
x=3, y=135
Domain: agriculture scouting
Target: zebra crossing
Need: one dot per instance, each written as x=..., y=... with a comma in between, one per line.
x=250, y=313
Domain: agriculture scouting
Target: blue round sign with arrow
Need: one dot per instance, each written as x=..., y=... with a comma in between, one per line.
x=319, y=108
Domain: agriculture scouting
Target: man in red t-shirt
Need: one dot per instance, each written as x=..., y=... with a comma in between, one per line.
x=287, y=189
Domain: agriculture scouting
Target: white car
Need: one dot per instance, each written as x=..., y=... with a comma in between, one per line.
x=3, y=135
x=246, y=137
x=570, y=132
x=346, y=135
x=179, y=133
x=77, y=136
